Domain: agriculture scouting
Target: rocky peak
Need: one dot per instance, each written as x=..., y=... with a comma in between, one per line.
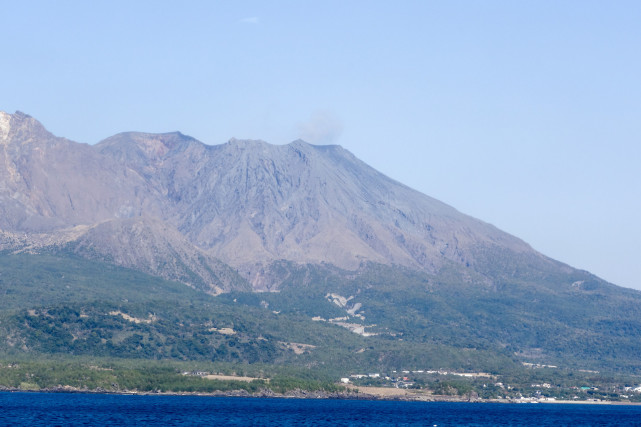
x=248, y=144
x=304, y=145
x=22, y=128
x=5, y=125
x=128, y=145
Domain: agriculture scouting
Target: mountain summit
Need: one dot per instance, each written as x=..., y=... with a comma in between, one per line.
x=247, y=203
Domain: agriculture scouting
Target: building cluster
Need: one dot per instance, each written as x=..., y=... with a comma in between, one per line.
x=401, y=379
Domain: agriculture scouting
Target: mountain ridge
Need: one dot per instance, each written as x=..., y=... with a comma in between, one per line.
x=246, y=203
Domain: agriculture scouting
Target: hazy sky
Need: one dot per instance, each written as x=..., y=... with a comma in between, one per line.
x=526, y=114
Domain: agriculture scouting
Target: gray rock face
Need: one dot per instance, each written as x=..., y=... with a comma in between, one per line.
x=247, y=203
x=154, y=247
x=48, y=183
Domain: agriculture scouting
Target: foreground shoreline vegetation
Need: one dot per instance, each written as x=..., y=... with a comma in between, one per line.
x=138, y=377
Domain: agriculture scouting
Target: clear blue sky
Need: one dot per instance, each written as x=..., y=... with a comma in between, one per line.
x=526, y=114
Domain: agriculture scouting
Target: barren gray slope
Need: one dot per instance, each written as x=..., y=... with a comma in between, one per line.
x=48, y=183
x=252, y=202
x=55, y=193
x=247, y=203
x=156, y=248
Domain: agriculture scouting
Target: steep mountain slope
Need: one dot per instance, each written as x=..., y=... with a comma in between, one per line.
x=48, y=183
x=247, y=203
x=252, y=202
x=153, y=247
x=55, y=193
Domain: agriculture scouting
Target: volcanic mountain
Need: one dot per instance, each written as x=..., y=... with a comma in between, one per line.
x=245, y=203
x=341, y=242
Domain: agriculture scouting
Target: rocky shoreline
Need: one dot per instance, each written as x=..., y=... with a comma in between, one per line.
x=305, y=394
x=353, y=394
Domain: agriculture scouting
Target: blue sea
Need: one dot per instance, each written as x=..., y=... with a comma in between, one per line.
x=52, y=409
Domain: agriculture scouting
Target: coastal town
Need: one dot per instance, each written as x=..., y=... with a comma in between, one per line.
x=445, y=385
x=426, y=384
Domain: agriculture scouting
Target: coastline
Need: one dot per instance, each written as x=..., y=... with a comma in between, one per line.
x=355, y=394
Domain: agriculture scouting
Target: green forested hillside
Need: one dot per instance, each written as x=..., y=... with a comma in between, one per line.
x=73, y=309
x=57, y=305
x=568, y=319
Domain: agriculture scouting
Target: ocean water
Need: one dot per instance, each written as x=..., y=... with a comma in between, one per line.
x=53, y=409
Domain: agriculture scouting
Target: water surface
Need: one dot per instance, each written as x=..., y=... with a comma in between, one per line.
x=53, y=409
